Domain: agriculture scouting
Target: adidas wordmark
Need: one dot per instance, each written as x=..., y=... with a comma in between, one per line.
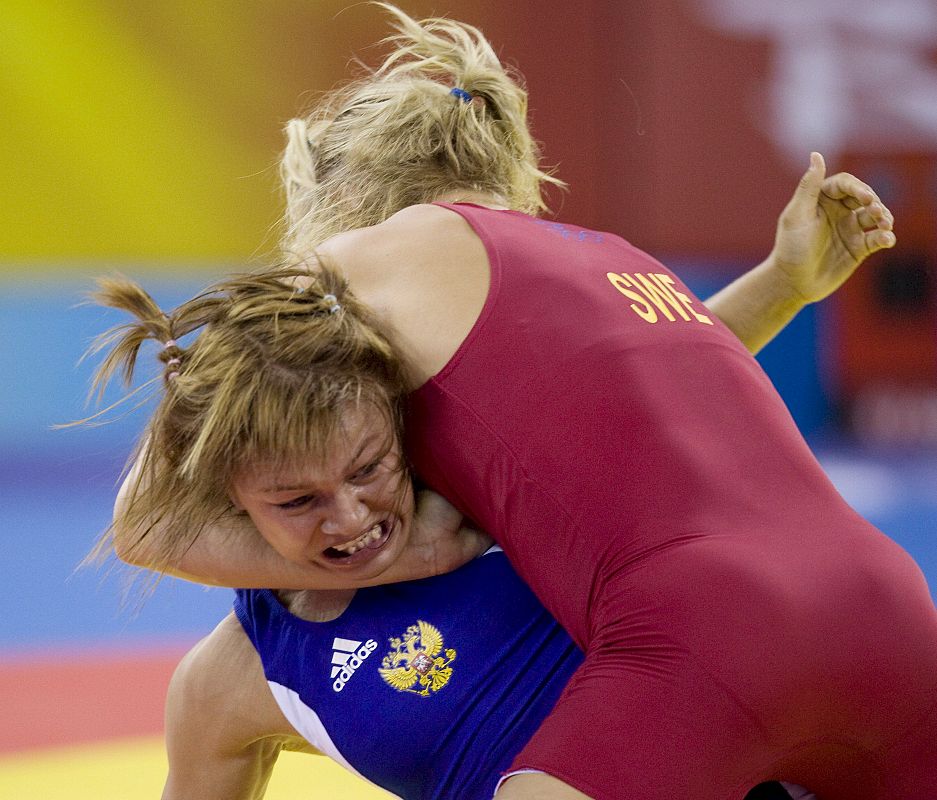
x=347, y=656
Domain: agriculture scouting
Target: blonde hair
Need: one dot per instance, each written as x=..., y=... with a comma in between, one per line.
x=269, y=378
x=398, y=136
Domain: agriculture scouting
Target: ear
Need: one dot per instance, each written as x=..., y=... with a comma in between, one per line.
x=235, y=499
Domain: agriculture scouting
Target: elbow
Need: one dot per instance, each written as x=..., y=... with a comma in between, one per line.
x=134, y=543
x=126, y=546
x=126, y=550
x=131, y=549
x=128, y=541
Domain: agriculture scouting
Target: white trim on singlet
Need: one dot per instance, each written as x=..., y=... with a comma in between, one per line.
x=518, y=772
x=310, y=727
x=495, y=548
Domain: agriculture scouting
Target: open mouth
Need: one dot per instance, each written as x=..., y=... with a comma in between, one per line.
x=363, y=547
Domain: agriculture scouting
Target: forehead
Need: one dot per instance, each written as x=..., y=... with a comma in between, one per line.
x=361, y=433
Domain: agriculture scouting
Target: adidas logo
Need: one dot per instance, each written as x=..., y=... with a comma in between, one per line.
x=347, y=656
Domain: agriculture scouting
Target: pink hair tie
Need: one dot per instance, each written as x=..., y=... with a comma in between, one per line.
x=173, y=362
x=172, y=376
x=169, y=343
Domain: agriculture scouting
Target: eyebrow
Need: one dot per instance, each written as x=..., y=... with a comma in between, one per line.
x=295, y=487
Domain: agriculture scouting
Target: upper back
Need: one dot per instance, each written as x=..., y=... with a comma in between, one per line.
x=426, y=274
x=596, y=412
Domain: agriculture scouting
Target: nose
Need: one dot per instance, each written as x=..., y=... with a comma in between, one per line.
x=345, y=516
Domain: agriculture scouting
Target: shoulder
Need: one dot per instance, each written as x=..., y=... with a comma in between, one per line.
x=410, y=231
x=213, y=663
x=425, y=274
x=417, y=242
x=224, y=730
x=220, y=683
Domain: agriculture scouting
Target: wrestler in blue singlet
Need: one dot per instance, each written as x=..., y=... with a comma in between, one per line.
x=428, y=688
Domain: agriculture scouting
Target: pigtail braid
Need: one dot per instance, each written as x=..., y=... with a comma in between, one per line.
x=123, y=342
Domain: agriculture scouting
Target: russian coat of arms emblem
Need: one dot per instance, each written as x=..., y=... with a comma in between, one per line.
x=417, y=663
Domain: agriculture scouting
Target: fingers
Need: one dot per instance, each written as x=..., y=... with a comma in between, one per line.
x=879, y=240
x=875, y=216
x=849, y=190
x=872, y=216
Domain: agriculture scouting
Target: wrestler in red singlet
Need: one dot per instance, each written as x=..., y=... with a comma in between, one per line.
x=741, y=623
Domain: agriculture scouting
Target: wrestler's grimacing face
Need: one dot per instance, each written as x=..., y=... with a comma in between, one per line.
x=348, y=512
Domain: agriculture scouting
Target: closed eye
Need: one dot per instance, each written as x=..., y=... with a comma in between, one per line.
x=296, y=502
x=366, y=471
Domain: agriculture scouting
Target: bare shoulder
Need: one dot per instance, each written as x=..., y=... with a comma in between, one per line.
x=410, y=239
x=221, y=681
x=425, y=273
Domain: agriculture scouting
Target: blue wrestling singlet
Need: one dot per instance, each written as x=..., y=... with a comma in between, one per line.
x=428, y=688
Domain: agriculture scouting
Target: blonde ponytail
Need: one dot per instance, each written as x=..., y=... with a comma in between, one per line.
x=399, y=136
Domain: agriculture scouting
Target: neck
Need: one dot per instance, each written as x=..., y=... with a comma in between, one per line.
x=316, y=606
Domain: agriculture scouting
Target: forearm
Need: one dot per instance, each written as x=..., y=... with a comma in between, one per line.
x=228, y=552
x=231, y=552
x=757, y=305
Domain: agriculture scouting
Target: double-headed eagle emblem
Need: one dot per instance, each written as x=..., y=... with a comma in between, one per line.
x=416, y=661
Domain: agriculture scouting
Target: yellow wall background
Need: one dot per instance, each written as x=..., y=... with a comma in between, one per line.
x=150, y=130
x=147, y=132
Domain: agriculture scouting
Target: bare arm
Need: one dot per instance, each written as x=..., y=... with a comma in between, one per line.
x=224, y=730
x=231, y=552
x=829, y=227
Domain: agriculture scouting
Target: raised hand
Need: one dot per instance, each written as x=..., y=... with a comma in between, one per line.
x=829, y=227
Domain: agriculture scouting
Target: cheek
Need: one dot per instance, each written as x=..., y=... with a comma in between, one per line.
x=399, y=495
x=289, y=542
x=405, y=493
x=272, y=529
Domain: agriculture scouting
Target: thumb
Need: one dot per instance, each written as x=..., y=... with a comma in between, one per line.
x=807, y=193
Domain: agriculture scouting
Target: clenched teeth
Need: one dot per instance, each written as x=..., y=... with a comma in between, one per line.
x=366, y=538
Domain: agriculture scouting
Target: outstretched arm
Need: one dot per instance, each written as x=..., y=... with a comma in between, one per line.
x=829, y=227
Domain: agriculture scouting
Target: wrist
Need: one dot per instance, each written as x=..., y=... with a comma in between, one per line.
x=778, y=281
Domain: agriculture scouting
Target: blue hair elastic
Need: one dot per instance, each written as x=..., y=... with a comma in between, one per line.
x=463, y=95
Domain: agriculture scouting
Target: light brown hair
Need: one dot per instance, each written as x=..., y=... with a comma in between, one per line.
x=269, y=378
x=398, y=136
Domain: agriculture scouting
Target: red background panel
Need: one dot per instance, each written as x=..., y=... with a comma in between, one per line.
x=78, y=697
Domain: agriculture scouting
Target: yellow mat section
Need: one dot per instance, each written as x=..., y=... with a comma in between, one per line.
x=136, y=769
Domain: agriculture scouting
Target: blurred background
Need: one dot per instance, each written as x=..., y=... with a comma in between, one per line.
x=143, y=137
